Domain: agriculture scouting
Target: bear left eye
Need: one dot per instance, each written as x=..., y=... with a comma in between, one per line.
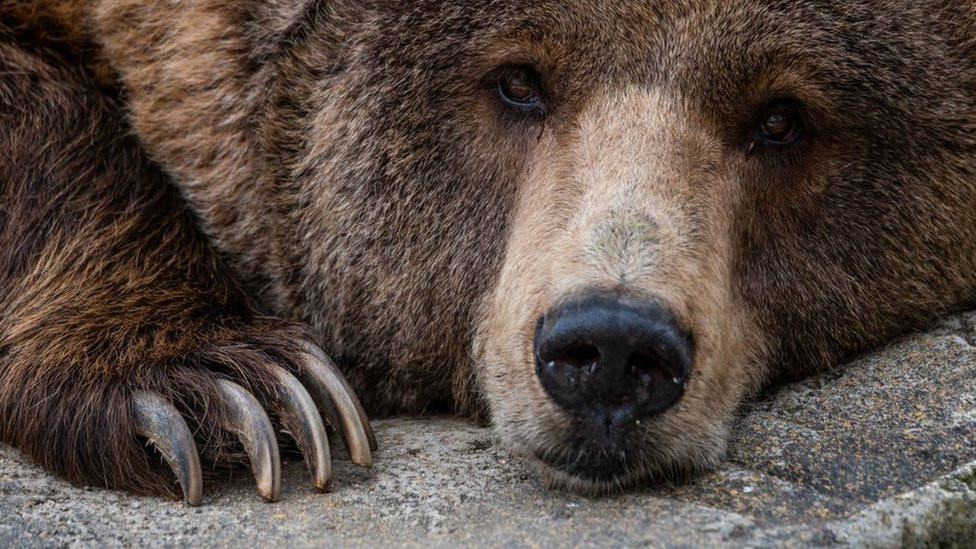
x=519, y=87
x=779, y=125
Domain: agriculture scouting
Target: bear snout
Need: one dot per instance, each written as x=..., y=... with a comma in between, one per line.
x=610, y=362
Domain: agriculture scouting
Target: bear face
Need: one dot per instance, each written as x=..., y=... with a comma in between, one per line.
x=434, y=185
x=718, y=184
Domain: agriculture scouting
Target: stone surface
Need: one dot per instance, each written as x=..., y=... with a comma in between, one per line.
x=881, y=451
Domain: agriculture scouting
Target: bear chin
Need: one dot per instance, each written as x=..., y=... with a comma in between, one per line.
x=595, y=475
x=590, y=465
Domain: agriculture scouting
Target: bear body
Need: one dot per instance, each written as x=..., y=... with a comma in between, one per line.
x=599, y=225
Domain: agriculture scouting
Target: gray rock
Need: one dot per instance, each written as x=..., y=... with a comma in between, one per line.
x=879, y=452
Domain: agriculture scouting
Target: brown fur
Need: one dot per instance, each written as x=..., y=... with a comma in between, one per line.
x=106, y=286
x=348, y=166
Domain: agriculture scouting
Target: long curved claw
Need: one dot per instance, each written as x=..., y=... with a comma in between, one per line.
x=363, y=418
x=300, y=416
x=245, y=417
x=337, y=400
x=160, y=422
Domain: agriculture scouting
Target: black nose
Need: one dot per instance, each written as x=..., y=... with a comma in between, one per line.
x=623, y=360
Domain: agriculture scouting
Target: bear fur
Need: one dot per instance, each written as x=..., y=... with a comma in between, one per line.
x=193, y=191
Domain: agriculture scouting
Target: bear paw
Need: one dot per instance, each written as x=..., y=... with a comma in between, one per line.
x=294, y=400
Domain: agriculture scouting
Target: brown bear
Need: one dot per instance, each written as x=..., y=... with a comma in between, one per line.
x=599, y=224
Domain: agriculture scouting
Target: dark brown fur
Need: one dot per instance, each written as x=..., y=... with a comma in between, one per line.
x=347, y=166
x=107, y=286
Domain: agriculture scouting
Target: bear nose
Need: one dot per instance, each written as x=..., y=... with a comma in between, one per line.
x=622, y=360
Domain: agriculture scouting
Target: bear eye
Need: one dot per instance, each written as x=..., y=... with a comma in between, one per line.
x=779, y=125
x=519, y=87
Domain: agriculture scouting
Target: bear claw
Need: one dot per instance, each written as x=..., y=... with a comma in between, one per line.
x=298, y=405
x=245, y=417
x=334, y=396
x=158, y=421
x=300, y=416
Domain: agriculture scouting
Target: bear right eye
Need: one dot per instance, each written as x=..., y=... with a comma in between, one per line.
x=518, y=87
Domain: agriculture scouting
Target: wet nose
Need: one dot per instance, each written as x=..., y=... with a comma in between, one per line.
x=625, y=360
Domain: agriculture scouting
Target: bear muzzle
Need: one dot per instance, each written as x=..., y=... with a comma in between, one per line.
x=609, y=362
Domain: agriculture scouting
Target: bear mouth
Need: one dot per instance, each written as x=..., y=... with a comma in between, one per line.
x=594, y=461
x=591, y=473
x=586, y=466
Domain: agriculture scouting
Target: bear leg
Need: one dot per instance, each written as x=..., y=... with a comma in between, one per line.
x=120, y=323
